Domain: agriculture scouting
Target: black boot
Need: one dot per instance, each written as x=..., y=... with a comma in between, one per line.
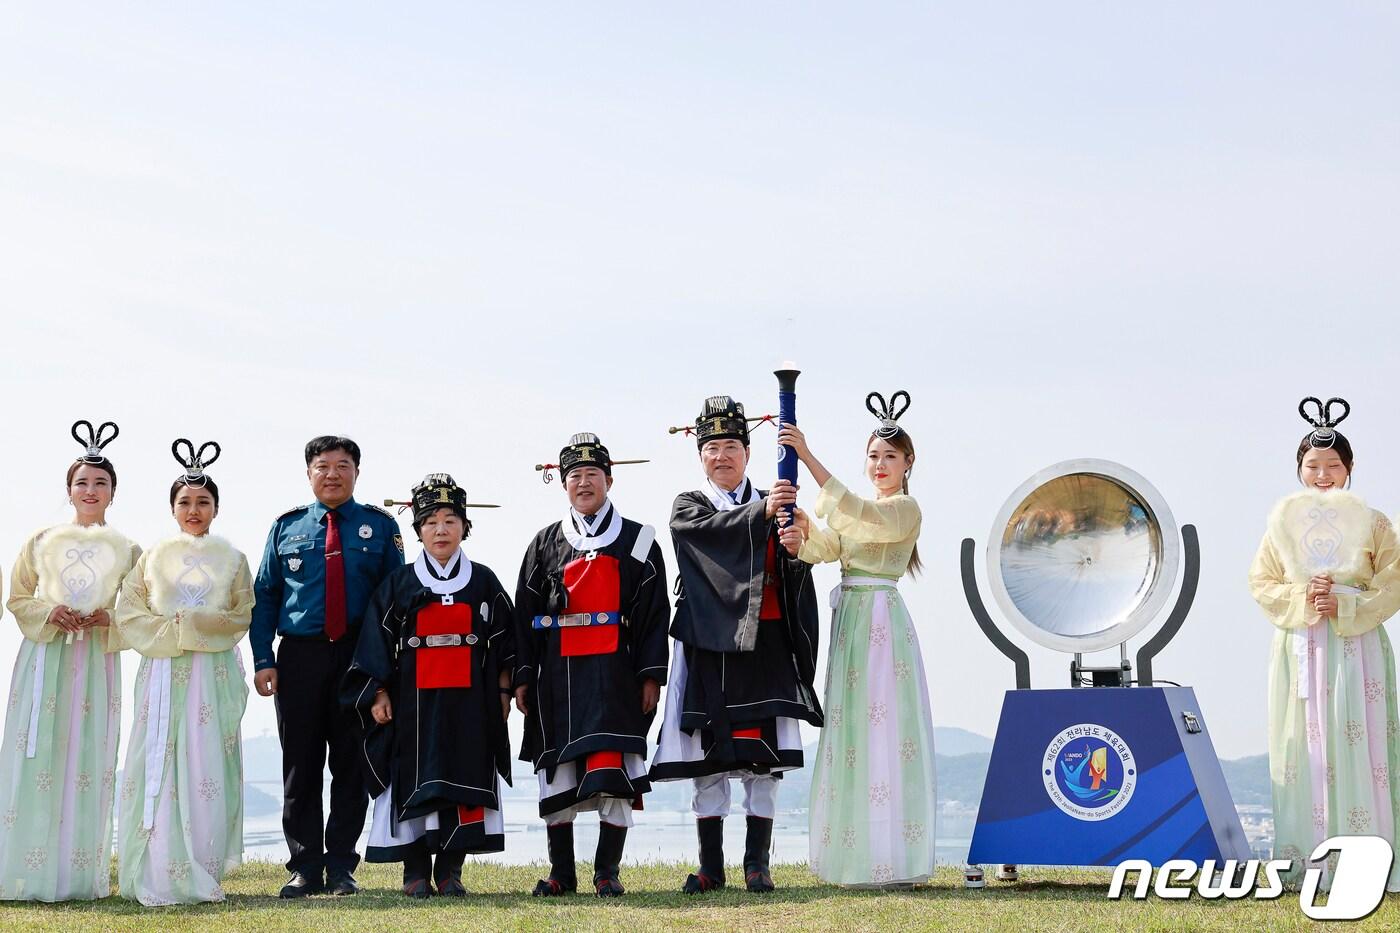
x=562, y=877
x=417, y=866
x=447, y=874
x=607, y=861
x=756, y=845
x=710, y=829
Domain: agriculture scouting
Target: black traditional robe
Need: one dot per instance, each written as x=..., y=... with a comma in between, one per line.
x=749, y=656
x=585, y=680
x=447, y=740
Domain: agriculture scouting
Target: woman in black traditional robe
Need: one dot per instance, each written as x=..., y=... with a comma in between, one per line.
x=430, y=682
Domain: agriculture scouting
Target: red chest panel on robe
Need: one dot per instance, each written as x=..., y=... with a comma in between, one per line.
x=444, y=666
x=594, y=586
x=769, y=609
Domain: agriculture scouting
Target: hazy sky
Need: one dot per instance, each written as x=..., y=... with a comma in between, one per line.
x=460, y=233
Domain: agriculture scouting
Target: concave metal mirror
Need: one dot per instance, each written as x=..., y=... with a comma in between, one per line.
x=1083, y=556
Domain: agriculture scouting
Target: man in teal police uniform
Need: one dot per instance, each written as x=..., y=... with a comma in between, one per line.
x=321, y=563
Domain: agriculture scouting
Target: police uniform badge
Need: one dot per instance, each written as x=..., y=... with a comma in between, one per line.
x=366, y=532
x=294, y=564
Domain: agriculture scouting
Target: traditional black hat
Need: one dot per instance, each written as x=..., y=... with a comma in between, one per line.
x=888, y=412
x=194, y=461
x=721, y=418
x=437, y=491
x=1324, y=434
x=95, y=441
x=584, y=450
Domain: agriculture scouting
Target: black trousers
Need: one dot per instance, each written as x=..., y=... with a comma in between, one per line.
x=310, y=722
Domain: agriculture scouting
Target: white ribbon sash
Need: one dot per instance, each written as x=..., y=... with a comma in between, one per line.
x=158, y=714
x=37, y=701
x=1305, y=646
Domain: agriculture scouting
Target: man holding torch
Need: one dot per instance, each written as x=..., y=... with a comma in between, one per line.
x=742, y=674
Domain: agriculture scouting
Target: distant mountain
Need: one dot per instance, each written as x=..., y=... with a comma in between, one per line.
x=961, y=778
x=1248, y=779
x=259, y=803
x=950, y=740
x=262, y=758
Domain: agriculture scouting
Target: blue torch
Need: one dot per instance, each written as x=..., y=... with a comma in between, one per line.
x=787, y=414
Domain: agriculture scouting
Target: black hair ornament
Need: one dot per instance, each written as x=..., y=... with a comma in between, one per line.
x=1323, y=435
x=888, y=412
x=194, y=461
x=95, y=441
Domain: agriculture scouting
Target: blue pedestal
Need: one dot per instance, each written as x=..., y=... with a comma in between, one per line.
x=1098, y=775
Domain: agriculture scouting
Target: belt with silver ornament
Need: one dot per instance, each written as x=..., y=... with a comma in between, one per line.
x=438, y=641
x=572, y=619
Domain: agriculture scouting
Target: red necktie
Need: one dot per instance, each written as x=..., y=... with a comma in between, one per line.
x=335, y=579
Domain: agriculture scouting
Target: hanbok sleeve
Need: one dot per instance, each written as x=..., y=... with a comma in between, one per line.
x=821, y=546
x=500, y=638
x=220, y=631
x=31, y=611
x=1358, y=613
x=529, y=642
x=373, y=667
x=116, y=641
x=650, y=618
x=500, y=659
x=136, y=625
x=1285, y=603
x=867, y=520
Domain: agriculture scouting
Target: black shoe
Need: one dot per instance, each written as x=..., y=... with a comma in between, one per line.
x=418, y=888
x=699, y=883
x=550, y=887
x=452, y=886
x=563, y=879
x=607, y=861
x=757, y=844
x=302, y=885
x=710, y=829
x=341, y=883
x=447, y=874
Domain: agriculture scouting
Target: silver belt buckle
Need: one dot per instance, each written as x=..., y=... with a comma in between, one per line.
x=442, y=641
x=572, y=619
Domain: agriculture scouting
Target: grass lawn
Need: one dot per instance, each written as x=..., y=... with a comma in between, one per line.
x=1046, y=899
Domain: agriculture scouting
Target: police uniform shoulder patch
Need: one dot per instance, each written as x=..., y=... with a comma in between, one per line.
x=292, y=511
x=398, y=542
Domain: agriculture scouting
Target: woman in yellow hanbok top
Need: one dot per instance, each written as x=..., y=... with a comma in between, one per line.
x=184, y=608
x=1327, y=575
x=874, y=797
x=59, y=756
